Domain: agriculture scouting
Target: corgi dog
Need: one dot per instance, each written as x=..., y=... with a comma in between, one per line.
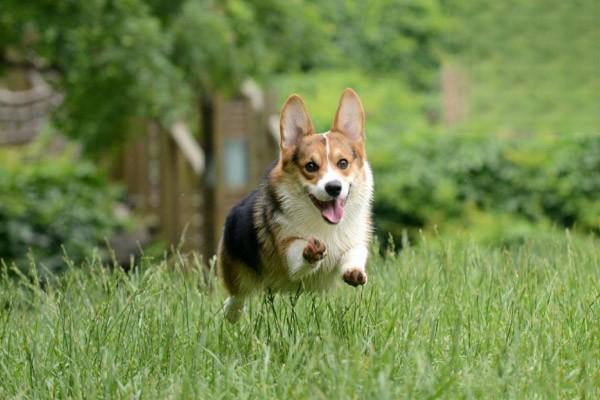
x=308, y=224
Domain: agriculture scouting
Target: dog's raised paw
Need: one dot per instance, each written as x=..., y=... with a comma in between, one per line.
x=314, y=251
x=355, y=277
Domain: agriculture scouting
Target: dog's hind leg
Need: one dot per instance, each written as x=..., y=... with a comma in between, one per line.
x=238, y=289
x=238, y=284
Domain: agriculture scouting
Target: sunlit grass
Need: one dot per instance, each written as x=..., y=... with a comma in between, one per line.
x=444, y=319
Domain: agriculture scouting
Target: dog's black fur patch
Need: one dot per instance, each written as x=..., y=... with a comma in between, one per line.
x=240, y=237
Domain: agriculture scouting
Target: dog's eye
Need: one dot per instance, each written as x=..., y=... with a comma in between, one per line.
x=311, y=167
x=342, y=164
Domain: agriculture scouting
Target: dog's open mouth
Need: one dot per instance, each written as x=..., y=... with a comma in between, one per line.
x=332, y=211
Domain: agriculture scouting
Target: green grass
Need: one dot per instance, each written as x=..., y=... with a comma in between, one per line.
x=446, y=319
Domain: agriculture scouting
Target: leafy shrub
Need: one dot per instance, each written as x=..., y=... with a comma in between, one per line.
x=52, y=204
x=502, y=184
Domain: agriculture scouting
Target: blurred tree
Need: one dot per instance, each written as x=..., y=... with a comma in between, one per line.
x=112, y=58
x=159, y=58
x=117, y=59
x=389, y=36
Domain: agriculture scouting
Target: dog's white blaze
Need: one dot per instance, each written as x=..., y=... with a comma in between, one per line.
x=318, y=190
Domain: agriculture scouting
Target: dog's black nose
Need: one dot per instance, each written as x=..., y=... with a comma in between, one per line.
x=333, y=188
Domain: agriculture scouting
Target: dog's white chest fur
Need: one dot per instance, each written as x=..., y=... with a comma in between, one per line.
x=301, y=219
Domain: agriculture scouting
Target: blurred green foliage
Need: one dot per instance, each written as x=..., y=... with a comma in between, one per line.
x=111, y=58
x=391, y=105
x=498, y=188
x=117, y=59
x=389, y=36
x=532, y=65
x=524, y=159
x=51, y=205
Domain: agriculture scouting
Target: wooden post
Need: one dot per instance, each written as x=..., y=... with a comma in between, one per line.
x=454, y=95
x=168, y=186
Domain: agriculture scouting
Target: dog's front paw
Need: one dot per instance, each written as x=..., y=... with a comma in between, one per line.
x=355, y=277
x=314, y=251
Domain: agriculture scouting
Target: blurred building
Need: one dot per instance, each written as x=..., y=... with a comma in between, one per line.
x=185, y=184
x=181, y=184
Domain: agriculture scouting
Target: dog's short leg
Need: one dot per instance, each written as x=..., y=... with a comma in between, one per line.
x=233, y=308
x=304, y=256
x=353, y=266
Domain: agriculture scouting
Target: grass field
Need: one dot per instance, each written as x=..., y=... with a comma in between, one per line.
x=441, y=320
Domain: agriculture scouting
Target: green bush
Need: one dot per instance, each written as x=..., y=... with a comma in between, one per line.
x=497, y=188
x=49, y=207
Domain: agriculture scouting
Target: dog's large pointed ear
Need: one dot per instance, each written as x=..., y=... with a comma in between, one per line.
x=350, y=116
x=294, y=122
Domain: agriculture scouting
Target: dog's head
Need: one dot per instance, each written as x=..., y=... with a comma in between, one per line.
x=325, y=166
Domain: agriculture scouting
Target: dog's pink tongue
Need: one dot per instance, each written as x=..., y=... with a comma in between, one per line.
x=333, y=211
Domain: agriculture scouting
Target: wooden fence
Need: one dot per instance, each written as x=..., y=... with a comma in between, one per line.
x=455, y=93
x=182, y=191
x=185, y=191
x=162, y=170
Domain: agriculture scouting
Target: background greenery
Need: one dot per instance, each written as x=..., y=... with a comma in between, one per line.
x=160, y=55
x=523, y=160
x=532, y=64
x=54, y=208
